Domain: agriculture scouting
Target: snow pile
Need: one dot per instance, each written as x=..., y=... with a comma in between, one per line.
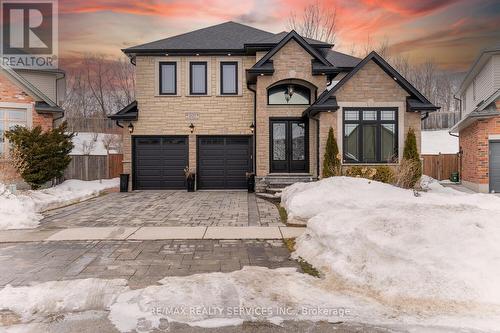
x=435, y=142
x=56, y=297
x=224, y=299
x=434, y=254
x=16, y=212
x=22, y=211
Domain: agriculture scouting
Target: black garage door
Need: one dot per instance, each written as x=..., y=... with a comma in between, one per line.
x=223, y=161
x=159, y=162
x=495, y=166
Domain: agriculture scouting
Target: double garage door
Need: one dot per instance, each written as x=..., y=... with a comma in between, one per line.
x=494, y=166
x=223, y=162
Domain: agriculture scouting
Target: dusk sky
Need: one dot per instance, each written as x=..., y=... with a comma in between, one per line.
x=450, y=32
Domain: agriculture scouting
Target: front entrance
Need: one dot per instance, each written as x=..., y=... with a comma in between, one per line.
x=289, y=146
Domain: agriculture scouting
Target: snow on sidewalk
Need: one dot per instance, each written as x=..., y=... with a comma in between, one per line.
x=22, y=210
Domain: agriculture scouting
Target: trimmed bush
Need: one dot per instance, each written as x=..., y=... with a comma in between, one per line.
x=40, y=156
x=410, y=169
x=331, y=160
x=381, y=173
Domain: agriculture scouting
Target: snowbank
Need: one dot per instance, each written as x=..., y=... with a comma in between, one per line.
x=22, y=211
x=215, y=300
x=435, y=142
x=434, y=254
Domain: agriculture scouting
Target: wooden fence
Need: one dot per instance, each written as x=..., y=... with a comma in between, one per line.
x=441, y=166
x=439, y=120
x=94, y=167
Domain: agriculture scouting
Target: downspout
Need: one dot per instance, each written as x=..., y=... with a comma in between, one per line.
x=62, y=115
x=254, y=162
x=118, y=124
x=460, y=104
x=317, y=148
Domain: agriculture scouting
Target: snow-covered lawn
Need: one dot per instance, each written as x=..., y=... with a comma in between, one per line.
x=23, y=209
x=434, y=255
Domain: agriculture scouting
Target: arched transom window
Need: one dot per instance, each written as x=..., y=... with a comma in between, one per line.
x=289, y=94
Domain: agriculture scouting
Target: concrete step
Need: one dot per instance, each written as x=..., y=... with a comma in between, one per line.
x=274, y=190
x=269, y=196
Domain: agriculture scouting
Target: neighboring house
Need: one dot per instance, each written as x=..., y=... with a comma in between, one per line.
x=479, y=127
x=231, y=99
x=29, y=98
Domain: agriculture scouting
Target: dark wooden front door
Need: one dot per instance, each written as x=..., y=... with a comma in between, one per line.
x=289, y=146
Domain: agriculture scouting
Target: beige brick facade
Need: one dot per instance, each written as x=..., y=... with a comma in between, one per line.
x=369, y=87
x=292, y=63
x=226, y=115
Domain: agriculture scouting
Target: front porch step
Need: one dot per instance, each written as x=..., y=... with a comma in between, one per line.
x=273, y=184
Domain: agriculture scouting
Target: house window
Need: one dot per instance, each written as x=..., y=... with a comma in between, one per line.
x=9, y=118
x=198, y=78
x=288, y=94
x=168, y=78
x=370, y=135
x=229, y=78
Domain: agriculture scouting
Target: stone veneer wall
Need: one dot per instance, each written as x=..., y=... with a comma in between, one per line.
x=369, y=87
x=171, y=115
x=290, y=62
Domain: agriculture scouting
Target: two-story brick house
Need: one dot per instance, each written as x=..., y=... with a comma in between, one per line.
x=28, y=97
x=231, y=99
x=479, y=127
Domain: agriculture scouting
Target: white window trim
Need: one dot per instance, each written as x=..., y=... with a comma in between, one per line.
x=28, y=107
x=179, y=76
x=218, y=77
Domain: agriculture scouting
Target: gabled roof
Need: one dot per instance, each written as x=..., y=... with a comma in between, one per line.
x=276, y=38
x=340, y=60
x=477, y=65
x=486, y=109
x=418, y=101
x=226, y=36
x=301, y=41
x=48, y=105
x=129, y=112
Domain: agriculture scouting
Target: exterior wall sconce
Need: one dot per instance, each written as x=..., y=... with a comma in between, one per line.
x=130, y=128
x=191, y=128
x=252, y=128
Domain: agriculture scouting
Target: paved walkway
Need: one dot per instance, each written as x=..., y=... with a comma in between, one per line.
x=142, y=263
x=166, y=208
x=148, y=233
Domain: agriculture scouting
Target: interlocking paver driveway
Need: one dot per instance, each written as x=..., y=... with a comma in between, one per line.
x=167, y=208
x=140, y=262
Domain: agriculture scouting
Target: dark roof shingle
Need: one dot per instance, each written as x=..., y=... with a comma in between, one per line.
x=224, y=36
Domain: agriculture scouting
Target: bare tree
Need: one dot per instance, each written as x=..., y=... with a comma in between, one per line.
x=112, y=142
x=97, y=87
x=317, y=22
